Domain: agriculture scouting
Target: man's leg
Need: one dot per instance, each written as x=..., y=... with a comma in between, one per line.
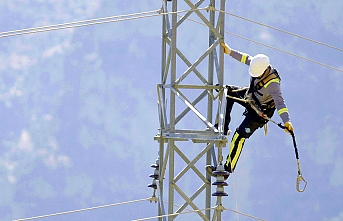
x=233, y=91
x=236, y=147
x=244, y=131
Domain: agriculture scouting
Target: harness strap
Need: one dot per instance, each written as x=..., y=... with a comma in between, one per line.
x=252, y=92
x=261, y=83
x=265, y=80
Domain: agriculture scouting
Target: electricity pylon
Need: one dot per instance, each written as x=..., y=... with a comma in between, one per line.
x=187, y=97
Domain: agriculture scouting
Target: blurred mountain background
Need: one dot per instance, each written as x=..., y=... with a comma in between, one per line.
x=78, y=110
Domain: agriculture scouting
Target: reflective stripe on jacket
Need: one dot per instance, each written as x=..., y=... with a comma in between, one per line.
x=270, y=91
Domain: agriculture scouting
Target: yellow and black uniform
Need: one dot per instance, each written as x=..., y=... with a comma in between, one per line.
x=267, y=95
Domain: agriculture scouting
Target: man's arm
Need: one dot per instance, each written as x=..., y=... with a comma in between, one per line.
x=239, y=56
x=275, y=91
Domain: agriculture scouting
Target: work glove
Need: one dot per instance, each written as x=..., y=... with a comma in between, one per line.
x=227, y=49
x=289, y=127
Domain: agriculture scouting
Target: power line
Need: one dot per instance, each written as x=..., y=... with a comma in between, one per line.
x=234, y=211
x=82, y=210
x=97, y=21
x=83, y=23
x=148, y=14
x=174, y=214
x=286, y=52
x=244, y=214
x=283, y=31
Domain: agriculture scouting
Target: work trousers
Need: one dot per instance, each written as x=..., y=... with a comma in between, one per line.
x=249, y=125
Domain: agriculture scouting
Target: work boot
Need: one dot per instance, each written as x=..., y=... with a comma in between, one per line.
x=210, y=169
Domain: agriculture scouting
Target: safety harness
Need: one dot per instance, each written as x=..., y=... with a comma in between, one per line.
x=254, y=88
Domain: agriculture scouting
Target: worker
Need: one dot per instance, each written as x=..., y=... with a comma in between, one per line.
x=265, y=94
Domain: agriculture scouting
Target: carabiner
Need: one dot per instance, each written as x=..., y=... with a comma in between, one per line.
x=299, y=179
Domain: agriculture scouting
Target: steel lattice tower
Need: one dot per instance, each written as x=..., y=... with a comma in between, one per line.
x=187, y=98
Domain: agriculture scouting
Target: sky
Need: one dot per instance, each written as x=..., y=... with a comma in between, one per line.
x=79, y=110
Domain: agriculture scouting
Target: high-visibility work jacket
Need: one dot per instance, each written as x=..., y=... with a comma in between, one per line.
x=266, y=88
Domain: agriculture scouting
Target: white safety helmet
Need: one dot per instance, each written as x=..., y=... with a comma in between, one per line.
x=258, y=64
